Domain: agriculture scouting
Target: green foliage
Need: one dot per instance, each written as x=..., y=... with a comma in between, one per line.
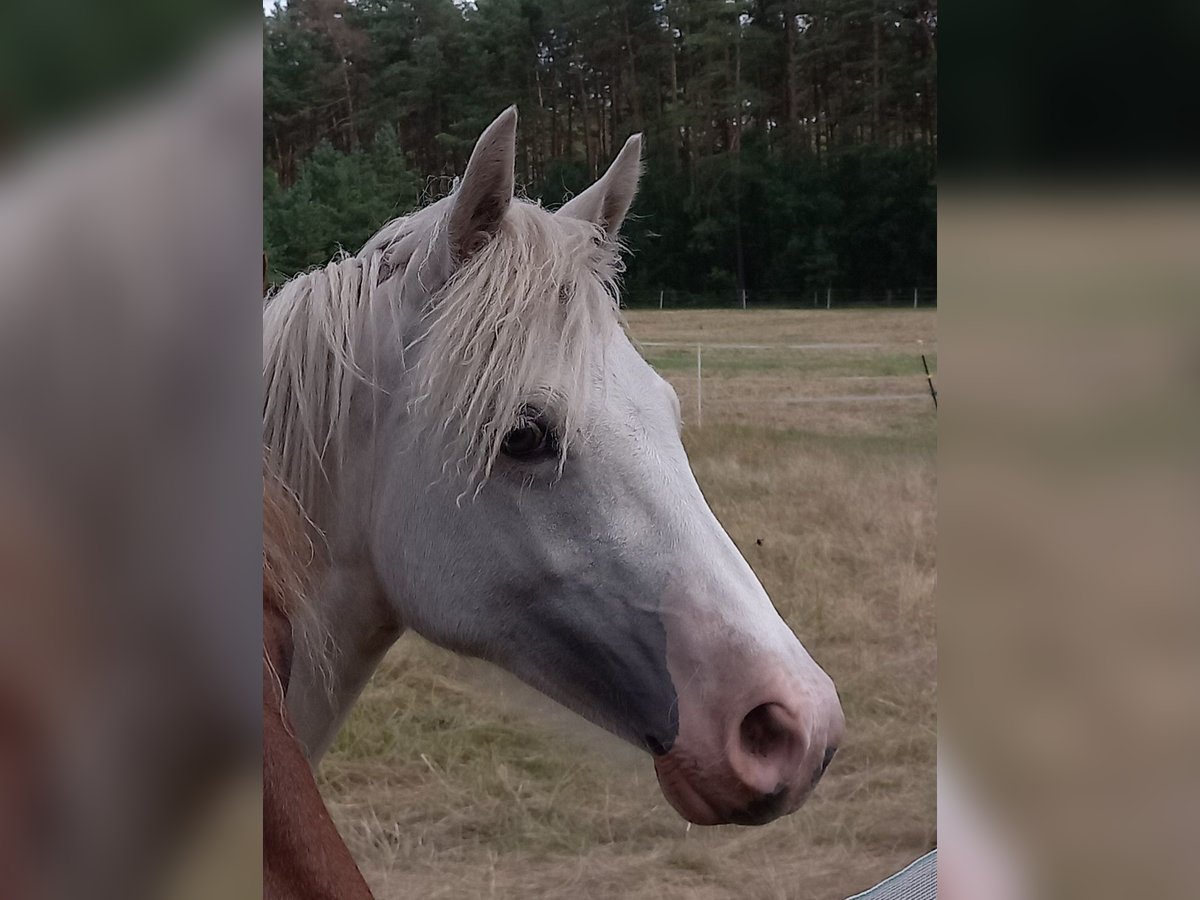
x=789, y=145
x=338, y=201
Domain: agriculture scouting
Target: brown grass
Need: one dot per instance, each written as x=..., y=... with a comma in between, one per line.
x=449, y=781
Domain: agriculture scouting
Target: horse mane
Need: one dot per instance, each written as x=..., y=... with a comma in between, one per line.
x=312, y=329
x=290, y=565
x=288, y=551
x=529, y=312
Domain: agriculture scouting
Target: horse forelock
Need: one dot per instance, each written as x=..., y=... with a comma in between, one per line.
x=529, y=313
x=527, y=316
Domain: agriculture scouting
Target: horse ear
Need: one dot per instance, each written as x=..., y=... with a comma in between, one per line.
x=608, y=200
x=486, y=188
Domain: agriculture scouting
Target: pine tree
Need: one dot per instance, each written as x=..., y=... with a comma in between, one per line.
x=789, y=144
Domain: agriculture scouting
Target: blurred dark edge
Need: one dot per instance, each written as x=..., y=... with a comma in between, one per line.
x=61, y=61
x=1069, y=89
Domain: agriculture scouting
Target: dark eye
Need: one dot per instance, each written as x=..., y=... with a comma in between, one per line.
x=531, y=438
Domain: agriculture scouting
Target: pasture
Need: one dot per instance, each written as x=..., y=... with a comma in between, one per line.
x=452, y=780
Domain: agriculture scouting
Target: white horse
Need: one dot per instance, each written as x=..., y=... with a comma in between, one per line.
x=495, y=466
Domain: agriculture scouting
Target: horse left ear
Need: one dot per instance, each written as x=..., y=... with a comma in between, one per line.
x=608, y=200
x=486, y=189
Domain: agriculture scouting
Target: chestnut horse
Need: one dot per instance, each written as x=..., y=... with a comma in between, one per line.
x=304, y=857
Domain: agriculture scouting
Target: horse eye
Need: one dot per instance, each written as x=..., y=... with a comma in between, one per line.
x=530, y=439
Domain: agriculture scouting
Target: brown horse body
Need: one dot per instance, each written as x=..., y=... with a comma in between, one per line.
x=304, y=857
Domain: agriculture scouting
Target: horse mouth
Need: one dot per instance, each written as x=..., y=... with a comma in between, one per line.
x=679, y=792
x=722, y=801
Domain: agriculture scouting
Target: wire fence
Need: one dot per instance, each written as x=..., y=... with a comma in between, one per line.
x=720, y=381
x=915, y=297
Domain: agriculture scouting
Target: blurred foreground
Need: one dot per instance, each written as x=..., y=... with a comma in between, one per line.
x=1069, y=619
x=130, y=525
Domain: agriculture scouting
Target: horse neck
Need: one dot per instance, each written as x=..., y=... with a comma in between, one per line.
x=360, y=628
x=360, y=624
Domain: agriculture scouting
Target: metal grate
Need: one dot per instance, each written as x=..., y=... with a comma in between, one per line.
x=916, y=882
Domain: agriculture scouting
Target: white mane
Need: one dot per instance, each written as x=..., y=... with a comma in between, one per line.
x=526, y=316
x=312, y=330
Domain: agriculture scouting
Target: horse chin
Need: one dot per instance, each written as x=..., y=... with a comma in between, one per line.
x=677, y=788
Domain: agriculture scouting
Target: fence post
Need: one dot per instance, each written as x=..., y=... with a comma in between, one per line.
x=699, y=391
x=660, y=295
x=915, y=297
x=743, y=298
x=828, y=297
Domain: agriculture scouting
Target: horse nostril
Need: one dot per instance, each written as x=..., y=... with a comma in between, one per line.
x=764, y=734
x=828, y=758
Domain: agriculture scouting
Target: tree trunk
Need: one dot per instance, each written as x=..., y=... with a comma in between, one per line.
x=674, y=65
x=791, y=100
x=350, y=123
x=740, y=261
x=587, y=124
x=876, y=73
x=634, y=95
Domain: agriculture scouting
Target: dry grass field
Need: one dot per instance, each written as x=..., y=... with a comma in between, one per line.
x=451, y=780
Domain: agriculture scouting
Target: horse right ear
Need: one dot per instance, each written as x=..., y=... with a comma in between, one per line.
x=607, y=201
x=486, y=189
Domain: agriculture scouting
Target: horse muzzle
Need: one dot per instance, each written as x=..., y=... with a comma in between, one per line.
x=749, y=763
